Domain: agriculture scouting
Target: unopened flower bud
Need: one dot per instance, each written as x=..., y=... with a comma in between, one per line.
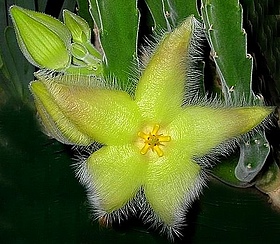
x=44, y=40
x=78, y=27
x=80, y=31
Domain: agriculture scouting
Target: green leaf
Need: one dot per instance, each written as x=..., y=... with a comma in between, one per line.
x=253, y=155
x=94, y=12
x=83, y=11
x=223, y=21
x=225, y=171
x=264, y=22
x=163, y=14
x=16, y=70
x=118, y=25
x=227, y=38
x=184, y=9
x=169, y=13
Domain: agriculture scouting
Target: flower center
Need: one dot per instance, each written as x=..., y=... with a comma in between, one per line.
x=153, y=141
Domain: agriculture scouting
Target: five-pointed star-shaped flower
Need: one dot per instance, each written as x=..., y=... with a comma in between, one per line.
x=150, y=138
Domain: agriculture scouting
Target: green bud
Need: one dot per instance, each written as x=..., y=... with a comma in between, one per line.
x=78, y=27
x=79, y=51
x=80, y=31
x=44, y=40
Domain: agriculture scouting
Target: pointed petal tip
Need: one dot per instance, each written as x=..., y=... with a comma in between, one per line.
x=161, y=87
x=255, y=115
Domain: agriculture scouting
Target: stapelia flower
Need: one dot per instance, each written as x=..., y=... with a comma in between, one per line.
x=150, y=139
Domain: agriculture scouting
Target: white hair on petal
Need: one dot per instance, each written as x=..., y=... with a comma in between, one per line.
x=229, y=146
x=150, y=217
x=79, y=80
x=139, y=204
x=87, y=180
x=195, y=58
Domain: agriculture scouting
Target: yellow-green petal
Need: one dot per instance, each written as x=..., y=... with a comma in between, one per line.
x=172, y=183
x=44, y=40
x=198, y=129
x=160, y=90
x=107, y=116
x=116, y=173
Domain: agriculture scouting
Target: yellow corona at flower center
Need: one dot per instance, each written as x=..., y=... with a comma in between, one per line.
x=153, y=141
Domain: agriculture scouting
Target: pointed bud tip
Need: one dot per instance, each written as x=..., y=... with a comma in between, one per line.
x=78, y=27
x=14, y=8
